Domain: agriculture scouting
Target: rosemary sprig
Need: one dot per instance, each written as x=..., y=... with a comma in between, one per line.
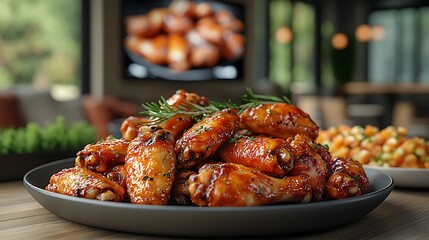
x=250, y=97
x=159, y=112
x=252, y=100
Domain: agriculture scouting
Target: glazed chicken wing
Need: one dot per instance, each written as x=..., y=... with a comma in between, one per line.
x=309, y=164
x=229, y=184
x=118, y=174
x=180, y=191
x=178, y=124
x=103, y=155
x=278, y=120
x=269, y=155
x=182, y=97
x=205, y=137
x=181, y=122
x=81, y=182
x=347, y=179
x=130, y=127
x=150, y=166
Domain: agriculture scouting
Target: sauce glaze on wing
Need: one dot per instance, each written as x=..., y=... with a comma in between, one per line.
x=230, y=184
x=81, y=182
x=269, y=155
x=309, y=164
x=150, y=166
x=278, y=120
x=347, y=178
x=205, y=137
x=103, y=155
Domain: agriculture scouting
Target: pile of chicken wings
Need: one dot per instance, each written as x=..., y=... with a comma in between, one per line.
x=263, y=155
x=185, y=35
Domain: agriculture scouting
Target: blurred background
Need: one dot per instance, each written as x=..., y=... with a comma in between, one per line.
x=344, y=62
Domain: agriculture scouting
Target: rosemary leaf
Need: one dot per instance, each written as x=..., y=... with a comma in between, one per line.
x=160, y=112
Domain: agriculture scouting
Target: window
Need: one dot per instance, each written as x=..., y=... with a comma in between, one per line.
x=291, y=43
x=41, y=45
x=402, y=52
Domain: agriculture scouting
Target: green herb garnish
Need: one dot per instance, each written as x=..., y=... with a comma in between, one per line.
x=160, y=112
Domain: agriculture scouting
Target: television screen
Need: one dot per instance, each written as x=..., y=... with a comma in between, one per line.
x=183, y=40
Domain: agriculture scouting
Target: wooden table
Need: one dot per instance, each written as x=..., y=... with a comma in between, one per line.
x=403, y=215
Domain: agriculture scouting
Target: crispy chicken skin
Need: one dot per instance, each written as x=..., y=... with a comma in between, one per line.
x=118, y=174
x=103, y=155
x=182, y=97
x=278, y=120
x=230, y=184
x=347, y=179
x=130, y=127
x=180, y=193
x=178, y=124
x=181, y=122
x=81, y=182
x=205, y=137
x=150, y=166
x=269, y=155
x=309, y=164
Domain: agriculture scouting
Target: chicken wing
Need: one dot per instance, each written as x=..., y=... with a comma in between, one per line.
x=230, y=184
x=178, y=124
x=269, y=155
x=180, y=191
x=347, y=179
x=309, y=164
x=181, y=122
x=278, y=120
x=130, y=127
x=103, y=155
x=81, y=182
x=150, y=166
x=118, y=174
x=182, y=97
x=205, y=137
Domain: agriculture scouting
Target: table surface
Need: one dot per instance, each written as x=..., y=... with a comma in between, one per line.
x=403, y=215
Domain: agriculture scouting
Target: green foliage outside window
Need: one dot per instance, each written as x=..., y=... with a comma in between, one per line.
x=294, y=61
x=54, y=136
x=40, y=42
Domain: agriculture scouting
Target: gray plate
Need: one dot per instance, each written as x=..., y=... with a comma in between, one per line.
x=204, y=221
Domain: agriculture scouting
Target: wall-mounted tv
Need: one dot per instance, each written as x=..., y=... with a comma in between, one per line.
x=183, y=40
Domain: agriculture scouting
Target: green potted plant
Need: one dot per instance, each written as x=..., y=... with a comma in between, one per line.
x=22, y=149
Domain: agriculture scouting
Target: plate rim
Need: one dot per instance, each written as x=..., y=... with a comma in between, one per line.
x=377, y=195
x=351, y=199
